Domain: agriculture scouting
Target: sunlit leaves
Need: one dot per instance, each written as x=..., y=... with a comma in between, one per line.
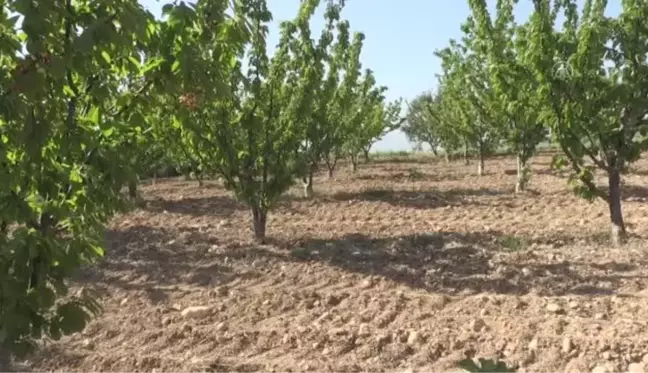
x=71, y=79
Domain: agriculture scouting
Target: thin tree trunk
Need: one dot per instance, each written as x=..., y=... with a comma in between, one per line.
x=435, y=151
x=447, y=157
x=480, y=164
x=520, y=185
x=465, y=153
x=330, y=164
x=354, y=163
x=132, y=190
x=308, y=185
x=618, y=233
x=259, y=216
x=366, y=155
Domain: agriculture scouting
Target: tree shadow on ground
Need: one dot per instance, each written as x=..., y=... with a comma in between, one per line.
x=397, y=159
x=456, y=263
x=146, y=258
x=202, y=206
x=634, y=192
x=411, y=176
x=419, y=199
x=8, y=364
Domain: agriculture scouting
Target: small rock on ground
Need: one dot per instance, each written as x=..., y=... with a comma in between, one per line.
x=636, y=368
x=196, y=312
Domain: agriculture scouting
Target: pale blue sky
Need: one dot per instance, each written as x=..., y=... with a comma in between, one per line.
x=401, y=37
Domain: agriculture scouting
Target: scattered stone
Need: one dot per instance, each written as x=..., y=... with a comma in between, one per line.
x=196, y=312
x=533, y=345
x=266, y=302
x=384, y=338
x=221, y=327
x=573, y=304
x=166, y=321
x=603, y=368
x=364, y=330
x=413, y=338
x=477, y=325
x=576, y=365
x=567, y=345
x=87, y=343
x=526, y=272
x=636, y=368
x=367, y=283
x=123, y=302
x=326, y=351
x=644, y=359
x=554, y=308
x=439, y=301
x=599, y=316
x=338, y=332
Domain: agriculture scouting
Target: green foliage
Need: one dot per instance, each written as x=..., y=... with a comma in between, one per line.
x=590, y=91
x=370, y=116
x=468, y=99
x=422, y=125
x=74, y=82
x=503, y=44
x=485, y=365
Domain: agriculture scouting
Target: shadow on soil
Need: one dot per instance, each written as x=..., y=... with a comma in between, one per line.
x=418, y=199
x=634, y=192
x=145, y=258
x=460, y=263
x=409, y=176
x=204, y=206
x=9, y=365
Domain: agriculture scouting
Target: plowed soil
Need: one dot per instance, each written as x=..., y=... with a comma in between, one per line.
x=404, y=265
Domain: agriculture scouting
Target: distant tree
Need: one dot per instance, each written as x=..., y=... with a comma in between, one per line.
x=502, y=44
x=421, y=126
x=469, y=99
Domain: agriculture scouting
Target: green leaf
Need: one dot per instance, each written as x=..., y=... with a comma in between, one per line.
x=93, y=115
x=175, y=66
x=108, y=132
x=106, y=57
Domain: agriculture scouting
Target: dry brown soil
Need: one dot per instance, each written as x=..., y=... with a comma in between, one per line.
x=404, y=265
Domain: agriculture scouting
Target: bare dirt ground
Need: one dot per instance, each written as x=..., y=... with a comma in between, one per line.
x=402, y=266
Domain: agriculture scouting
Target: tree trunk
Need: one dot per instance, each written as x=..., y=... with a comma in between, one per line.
x=447, y=157
x=354, y=163
x=259, y=220
x=132, y=190
x=308, y=185
x=618, y=234
x=330, y=164
x=435, y=151
x=465, y=154
x=154, y=181
x=366, y=155
x=520, y=184
x=480, y=164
